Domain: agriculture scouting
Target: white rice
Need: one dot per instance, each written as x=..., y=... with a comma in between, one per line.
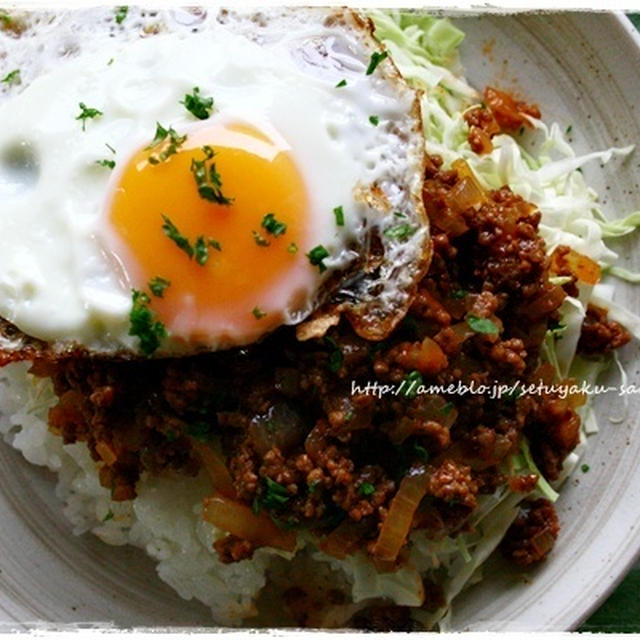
x=164, y=519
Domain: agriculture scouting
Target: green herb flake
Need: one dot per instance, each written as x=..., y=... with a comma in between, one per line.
x=109, y=164
x=367, y=489
x=584, y=468
x=110, y=515
x=275, y=496
x=336, y=357
x=292, y=248
x=171, y=231
x=458, y=294
x=482, y=325
x=447, y=408
x=201, y=250
x=399, y=214
x=258, y=313
x=175, y=141
x=376, y=58
x=313, y=487
x=349, y=416
x=400, y=231
x=421, y=453
x=411, y=383
x=569, y=129
x=342, y=83
x=121, y=14
x=158, y=286
x=195, y=104
x=87, y=113
x=338, y=212
x=259, y=239
x=208, y=180
x=316, y=257
x=272, y=225
x=12, y=78
x=143, y=324
x=556, y=329
x=374, y=120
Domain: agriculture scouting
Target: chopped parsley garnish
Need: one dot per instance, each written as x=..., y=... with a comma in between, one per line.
x=313, y=487
x=121, y=14
x=420, y=452
x=109, y=164
x=110, y=515
x=367, y=489
x=399, y=214
x=87, y=113
x=13, y=77
x=275, y=496
x=175, y=141
x=143, y=323
x=208, y=179
x=349, y=415
x=447, y=408
x=569, y=129
x=411, y=383
x=316, y=257
x=458, y=294
x=258, y=313
x=342, y=83
x=376, y=58
x=556, y=329
x=336, y=357
x=171, y=231
x=584, y=468
x=292, y=248
x=200, y=248
x=374, y=120
x=273, y=226
x=158, y=286
x=400, y=231
x=259, y=239
x=338, y=212
x=482, y=325
x=200, y=107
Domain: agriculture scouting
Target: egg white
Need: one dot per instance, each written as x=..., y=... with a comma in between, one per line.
x=58, y=280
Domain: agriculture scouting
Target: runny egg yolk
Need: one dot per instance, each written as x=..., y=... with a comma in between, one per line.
x=251, y=277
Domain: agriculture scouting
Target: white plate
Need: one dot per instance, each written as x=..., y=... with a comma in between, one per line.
x=582, y=71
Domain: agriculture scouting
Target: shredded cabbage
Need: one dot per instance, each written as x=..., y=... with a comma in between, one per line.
x=425, y=51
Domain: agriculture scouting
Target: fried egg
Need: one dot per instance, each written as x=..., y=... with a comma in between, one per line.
x=200, y=187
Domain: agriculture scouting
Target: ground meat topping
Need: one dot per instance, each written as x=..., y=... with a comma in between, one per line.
x=500, y=112
x=532, y=534
x=230, y=549
x=599, y=334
